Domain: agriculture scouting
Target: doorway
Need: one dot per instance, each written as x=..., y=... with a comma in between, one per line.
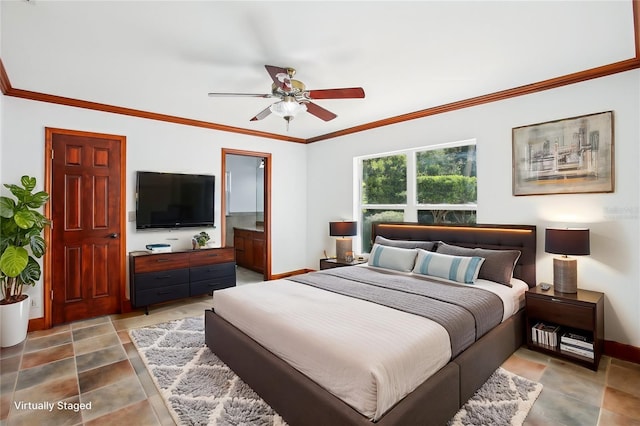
x=246, y=208
x=84, y=266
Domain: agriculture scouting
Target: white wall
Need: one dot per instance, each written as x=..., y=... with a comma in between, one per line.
x=613, y=218
x=324, y=170
x=158, y=146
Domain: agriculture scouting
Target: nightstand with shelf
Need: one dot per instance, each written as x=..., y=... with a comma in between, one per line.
x=581, y=314
x=335, y=263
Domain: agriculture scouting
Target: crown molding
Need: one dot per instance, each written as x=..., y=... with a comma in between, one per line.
x=527, y=89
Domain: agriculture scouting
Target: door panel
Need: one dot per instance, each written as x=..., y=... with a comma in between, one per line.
x=85, y=205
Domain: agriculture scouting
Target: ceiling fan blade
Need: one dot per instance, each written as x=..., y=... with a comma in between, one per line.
x=241, y=95
x=350, y=92
x=318, y=111
x=262, y=114
x=280, y=77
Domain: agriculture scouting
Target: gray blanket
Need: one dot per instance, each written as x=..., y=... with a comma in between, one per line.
x=466, y=312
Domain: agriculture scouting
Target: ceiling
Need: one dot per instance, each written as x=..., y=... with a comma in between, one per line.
x=165, y=56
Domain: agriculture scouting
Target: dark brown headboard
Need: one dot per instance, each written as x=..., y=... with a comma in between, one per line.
x=499, y=237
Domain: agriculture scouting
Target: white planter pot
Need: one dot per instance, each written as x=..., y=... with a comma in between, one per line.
x=14, y=322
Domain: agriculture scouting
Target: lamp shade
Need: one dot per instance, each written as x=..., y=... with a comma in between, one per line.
x=574, y=241
x=287, y=108
x=343, y=229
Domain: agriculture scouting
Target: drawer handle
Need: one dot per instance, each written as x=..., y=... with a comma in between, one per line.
x=553, y=299
x=163, y=277
x=164, y=292
x=162, y=260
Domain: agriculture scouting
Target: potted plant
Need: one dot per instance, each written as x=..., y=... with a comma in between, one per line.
x=201, y=239
x=21, y=242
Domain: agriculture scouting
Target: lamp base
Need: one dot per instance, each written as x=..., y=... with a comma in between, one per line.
x=343, y=245
x=565, y=275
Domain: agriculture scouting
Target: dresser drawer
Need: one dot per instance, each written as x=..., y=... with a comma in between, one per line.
x=561, y=312
x=170, y=277
x=163, y=294
x=160, y=262
x=211, y=256
x=205, y=287
x=212, y=271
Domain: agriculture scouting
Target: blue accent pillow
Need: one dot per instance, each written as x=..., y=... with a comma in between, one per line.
x=461, y=269
x=399, y=259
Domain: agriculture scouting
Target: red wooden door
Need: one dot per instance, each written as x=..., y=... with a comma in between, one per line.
x=85, y=208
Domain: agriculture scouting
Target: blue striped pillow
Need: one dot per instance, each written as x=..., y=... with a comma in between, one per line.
x=399, y=259
x=455, y=268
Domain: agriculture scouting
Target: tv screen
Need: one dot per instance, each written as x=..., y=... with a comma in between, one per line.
x=173, y=200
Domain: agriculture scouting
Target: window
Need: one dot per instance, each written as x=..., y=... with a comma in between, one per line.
x=427, y=185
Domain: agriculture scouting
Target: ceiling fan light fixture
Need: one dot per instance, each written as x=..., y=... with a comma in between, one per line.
x=287, y=108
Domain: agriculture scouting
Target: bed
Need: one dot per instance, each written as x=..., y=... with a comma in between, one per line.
x=272, y=370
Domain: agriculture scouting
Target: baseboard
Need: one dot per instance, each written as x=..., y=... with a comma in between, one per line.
x=290, y=274
x=36, y=324
x=622, y=351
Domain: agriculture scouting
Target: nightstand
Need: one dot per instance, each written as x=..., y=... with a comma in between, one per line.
x=334, y=263
x=566, y=325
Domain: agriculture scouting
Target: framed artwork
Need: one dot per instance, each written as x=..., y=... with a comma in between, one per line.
x=568, y=156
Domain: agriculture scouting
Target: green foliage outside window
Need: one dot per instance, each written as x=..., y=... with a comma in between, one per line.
x=447, y=176
x=446, y=216
x=370, y=216
x=384, y=180
x=448, y=189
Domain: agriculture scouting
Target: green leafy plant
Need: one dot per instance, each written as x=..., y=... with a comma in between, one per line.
x=201, y=238
x=21, y=240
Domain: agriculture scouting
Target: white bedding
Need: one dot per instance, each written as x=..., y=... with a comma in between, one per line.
x=368, y=355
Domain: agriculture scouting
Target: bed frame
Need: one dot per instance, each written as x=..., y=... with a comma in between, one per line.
x=300, y=401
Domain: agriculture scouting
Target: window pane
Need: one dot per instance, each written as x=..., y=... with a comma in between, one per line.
x=370, y=216
x=446, y=216
x=447, y=176
x=384, y=180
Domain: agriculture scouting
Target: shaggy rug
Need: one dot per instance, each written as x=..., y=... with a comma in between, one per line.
x=199, y=389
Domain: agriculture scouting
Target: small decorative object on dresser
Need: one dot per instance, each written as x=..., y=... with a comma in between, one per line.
x=200, y=240
x=573, y=241
x=569, y=326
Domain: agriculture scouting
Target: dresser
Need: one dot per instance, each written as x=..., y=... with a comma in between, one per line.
x=156, y=278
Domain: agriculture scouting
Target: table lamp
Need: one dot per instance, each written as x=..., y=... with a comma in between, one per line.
x=343, y=230
x=566, y=241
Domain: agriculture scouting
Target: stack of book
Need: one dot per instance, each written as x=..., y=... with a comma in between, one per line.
x=576, y=344
x=543, y=334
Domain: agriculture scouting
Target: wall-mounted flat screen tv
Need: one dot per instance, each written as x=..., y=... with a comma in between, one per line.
x=174, y=200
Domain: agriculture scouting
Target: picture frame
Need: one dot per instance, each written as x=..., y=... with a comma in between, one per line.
x=567, y=156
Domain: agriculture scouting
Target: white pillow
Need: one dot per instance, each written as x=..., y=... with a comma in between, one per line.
x=399, y=259
x=456, y=268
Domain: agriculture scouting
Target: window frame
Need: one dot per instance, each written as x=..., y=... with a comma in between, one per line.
x=411, y=207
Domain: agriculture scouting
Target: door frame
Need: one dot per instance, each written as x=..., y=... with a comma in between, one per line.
x=267, y=201
x=47, y=281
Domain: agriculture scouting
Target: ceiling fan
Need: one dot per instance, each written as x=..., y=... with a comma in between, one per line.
x=294, y=97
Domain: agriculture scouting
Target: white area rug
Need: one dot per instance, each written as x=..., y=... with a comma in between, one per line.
x=199, y=389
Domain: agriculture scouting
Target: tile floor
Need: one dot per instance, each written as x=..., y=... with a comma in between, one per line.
x=91, y=374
